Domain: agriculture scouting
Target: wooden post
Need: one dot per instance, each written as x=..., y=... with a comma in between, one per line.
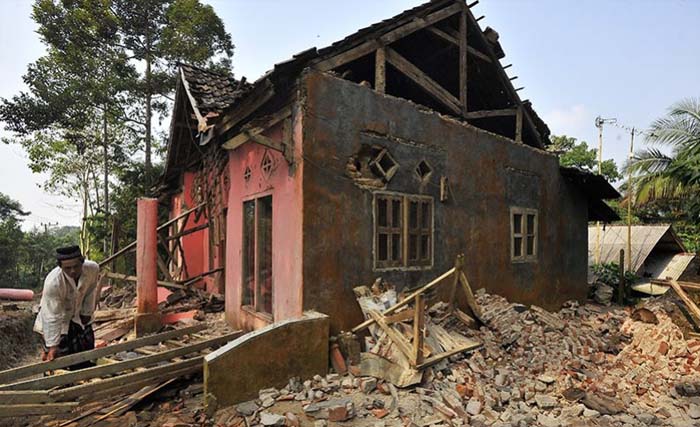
x=459, y=262
x=418, y=329
x=380, y=70
x=621, y=285
x=519, y=125
x=463, y=61
x=147, y=318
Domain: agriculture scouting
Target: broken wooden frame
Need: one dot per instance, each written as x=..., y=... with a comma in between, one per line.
x=678, y=288
x=414, y=352
x=41, y=396
x=457, y=105
x=15, y=374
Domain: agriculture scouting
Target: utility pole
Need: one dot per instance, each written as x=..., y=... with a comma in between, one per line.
x=630, y=201
x=599, y=122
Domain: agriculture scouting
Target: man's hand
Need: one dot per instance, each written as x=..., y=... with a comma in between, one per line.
x=50, y=355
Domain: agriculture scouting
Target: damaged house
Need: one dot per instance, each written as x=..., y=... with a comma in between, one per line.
x=385, y=154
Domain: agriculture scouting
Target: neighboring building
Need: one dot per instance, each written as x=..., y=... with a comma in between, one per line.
x=386, y=154
x=657, y=253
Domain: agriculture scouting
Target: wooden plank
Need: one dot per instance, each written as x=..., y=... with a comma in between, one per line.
x=32, y=409
x=125, y=277
x=14, y=374
x=135, y=385
x=24, y=397
x=491, y=113
x=380, y=70
x=692, y=308
x=471, y=301
x=463, y=317
x=397, y=339
x=121, y=407
x=371, y=45
x=160, y=373
x=459, y=263
x=265, y=123
x=418, y=331
x=401, y=316
x=406, y=300
x=453, y=36
x=463, y=61
x=423, y=80
x=438, y=357
x=519, y=125
x=139, y=362
x=261, y=139
x=688, y=286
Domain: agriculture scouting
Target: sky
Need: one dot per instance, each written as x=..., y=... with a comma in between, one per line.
x=623, y=59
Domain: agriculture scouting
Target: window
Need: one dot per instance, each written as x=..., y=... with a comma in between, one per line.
x=257, y=254
x=523, y=227
x=403, y=231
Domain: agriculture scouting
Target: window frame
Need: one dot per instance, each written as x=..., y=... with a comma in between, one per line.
x=404, y=263
x=256, y=306
x=524, y=235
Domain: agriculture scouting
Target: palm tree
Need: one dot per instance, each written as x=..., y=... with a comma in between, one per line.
x=675, y=176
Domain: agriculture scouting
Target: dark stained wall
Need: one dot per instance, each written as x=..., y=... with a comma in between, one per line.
x=487, y=174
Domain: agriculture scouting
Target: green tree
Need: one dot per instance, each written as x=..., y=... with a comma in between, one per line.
x=160, y=34
x=673, y=176
x=578, y=155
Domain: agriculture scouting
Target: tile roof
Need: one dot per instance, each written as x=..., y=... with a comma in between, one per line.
x=213, y=92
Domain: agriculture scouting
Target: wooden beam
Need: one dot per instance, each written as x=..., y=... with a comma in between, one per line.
x=519, y=125
x=407, y=300
x=370, y=46
x=250, y=103
x=463, y=317
x=401, y=316
x=471, y=301
x=139, y=362
x=459, y=263
x=444, y=35
x=47, y=409
x=438, y=357
x=261, y=139
x=692, y=308
x=688, y=286
x=120, y=276
x=186, y=232
x=423, y=80
x=418, y=331
x=463, y=61
x=160, y=373
x=491, y=113
x=264, y=124
x=396, y=338
x=380, y=70
x=14, y=374
x=504, y=78
x=24, y=397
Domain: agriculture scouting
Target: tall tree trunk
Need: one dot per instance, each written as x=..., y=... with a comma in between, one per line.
x=105, y=158
x=148, y=111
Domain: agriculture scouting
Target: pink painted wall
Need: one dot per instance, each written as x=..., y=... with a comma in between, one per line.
x=285, y=186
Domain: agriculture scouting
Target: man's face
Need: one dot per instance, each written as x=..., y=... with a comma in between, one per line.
x=72, y=267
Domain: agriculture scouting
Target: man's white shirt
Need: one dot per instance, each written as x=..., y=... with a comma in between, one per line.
x=62, y=302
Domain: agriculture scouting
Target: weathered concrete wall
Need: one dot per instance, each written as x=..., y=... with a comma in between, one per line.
x=284, y=184
x=487, y=174
x=267, y=357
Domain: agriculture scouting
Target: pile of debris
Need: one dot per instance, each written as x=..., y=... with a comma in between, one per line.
x=585, y=365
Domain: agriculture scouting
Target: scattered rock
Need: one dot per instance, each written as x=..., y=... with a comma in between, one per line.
x=546, y=402
x=247, y=408
x=474, y=407
x=270, y=419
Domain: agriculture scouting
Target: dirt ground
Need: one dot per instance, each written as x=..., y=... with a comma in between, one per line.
x=18, y=344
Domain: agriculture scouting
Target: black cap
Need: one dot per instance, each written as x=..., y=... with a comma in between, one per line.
x=69, y=252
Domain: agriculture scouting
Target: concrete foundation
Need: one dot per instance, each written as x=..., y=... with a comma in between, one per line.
x=267, y=357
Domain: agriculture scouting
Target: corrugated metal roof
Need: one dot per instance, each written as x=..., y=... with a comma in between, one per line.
x=644, y=239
